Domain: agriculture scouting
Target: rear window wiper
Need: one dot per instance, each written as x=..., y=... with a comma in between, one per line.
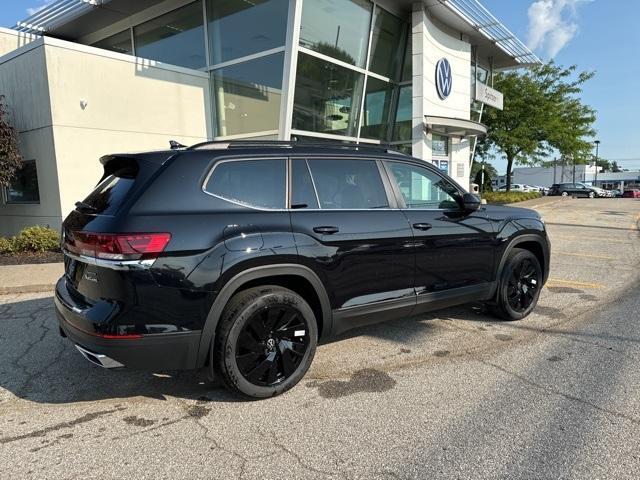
x=85, y=206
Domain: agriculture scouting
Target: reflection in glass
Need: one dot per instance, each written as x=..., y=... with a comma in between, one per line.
x=327, y=97
x=377, y=103
x=386, y=44
x=238, y=28
x=176, y=38
x=337, y=28
x=424, y=189
x=402, y=127
x=247, y=95
x=256, y=183
x=407, y=63
x=120, y=43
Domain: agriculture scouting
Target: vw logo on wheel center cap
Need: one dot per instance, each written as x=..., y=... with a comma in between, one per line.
x=271, y=343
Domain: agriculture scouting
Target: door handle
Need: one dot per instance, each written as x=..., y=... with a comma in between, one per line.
x=325, y=230
x=422, y=226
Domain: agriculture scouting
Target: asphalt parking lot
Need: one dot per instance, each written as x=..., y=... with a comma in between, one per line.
x=453, y=394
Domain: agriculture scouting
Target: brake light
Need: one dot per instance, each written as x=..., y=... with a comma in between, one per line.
x=116, y=246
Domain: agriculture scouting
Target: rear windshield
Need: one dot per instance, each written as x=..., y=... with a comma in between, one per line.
x=111, y=192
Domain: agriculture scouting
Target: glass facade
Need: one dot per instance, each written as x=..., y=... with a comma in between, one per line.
x=238, y=28
x=327, y=97
x=337, y=28
x=120, y=43
x=247, y=96
x=352, y=77
x=176, y=37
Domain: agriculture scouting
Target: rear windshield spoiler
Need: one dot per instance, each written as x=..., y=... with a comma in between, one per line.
x=132, y=163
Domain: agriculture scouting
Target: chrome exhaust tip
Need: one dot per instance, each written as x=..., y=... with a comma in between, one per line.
x=99, y=359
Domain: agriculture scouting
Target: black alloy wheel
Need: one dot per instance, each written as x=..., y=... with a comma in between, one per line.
x=520, y=285
x=266, y=341
x=271, y=345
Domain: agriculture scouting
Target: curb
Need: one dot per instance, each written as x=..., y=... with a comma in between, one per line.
x=27, y=289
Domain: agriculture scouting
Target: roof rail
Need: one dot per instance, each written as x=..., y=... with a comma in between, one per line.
x=230, y=144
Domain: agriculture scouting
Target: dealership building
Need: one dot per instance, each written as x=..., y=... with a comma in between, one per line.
x=84, y=78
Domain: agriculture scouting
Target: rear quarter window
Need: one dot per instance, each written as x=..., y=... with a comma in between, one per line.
x=251, y=183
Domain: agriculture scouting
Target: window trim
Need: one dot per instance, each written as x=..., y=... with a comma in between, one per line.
x=5, y=190
x=243, y=158
x=400, y=199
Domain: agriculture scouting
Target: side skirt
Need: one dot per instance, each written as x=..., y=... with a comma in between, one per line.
x=348, y=318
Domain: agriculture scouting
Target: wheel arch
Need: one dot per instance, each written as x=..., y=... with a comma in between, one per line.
x=298, y=278
x=532, y=242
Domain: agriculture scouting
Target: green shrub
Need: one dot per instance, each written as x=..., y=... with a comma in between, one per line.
x=509, y=197
x=6, y=245
x=36, y=239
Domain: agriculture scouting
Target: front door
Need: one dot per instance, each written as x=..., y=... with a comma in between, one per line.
x=347, y=230
x=454, y=250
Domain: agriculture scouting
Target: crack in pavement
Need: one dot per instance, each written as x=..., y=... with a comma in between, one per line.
x=59, y=426
x=566, y=396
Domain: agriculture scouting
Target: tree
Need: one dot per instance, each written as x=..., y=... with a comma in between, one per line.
x=542, y=113
x=490, y=173
x=615, y=168
x=10, y=158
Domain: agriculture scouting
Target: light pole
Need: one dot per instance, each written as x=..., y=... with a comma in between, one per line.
x=595, y=181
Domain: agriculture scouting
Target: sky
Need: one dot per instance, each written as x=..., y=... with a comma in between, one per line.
x=596, y=35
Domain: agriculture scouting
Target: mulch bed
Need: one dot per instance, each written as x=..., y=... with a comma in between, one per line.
x=26, y=258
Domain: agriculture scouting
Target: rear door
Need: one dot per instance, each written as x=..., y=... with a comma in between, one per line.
x=453, y=249
x=347, y=230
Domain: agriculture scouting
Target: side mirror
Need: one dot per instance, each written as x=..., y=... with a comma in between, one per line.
x=470, y=202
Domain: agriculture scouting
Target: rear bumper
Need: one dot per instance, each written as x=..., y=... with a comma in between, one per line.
x=162, y=351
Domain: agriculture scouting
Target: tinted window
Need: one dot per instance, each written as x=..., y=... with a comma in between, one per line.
x=387, y=44
x=422, y=188
x=303, y=194
x=255, y=183
x=176, y=38
x=377, y=104
x=348, y=184
x=120, y=42
x=111, y=192
x=24, y=185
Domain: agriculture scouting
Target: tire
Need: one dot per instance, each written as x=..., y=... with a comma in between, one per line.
x=517, y=296
x=266, y=341
x=592, y=195
x=565, y=194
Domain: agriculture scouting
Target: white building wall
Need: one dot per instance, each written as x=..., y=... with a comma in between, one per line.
x=73, y=104
x=432, y=41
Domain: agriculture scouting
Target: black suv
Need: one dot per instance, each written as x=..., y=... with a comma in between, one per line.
x=239, y=257
x=577, y=189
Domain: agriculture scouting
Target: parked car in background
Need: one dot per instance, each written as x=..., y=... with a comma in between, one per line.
x=515, y=187
x=240, y=256
x=616, y=193
x=577, y=189
x=631, y=193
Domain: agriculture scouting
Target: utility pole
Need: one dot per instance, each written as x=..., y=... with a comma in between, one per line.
x=597, y=142
x=482, y=179
x=573, y=160
x=555, y=166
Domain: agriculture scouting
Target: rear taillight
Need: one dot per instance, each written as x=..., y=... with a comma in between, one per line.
x=116, y=246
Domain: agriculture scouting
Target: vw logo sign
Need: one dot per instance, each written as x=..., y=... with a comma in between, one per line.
x=444, y=78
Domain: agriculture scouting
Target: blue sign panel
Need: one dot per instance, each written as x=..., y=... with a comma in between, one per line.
x=444, y=78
